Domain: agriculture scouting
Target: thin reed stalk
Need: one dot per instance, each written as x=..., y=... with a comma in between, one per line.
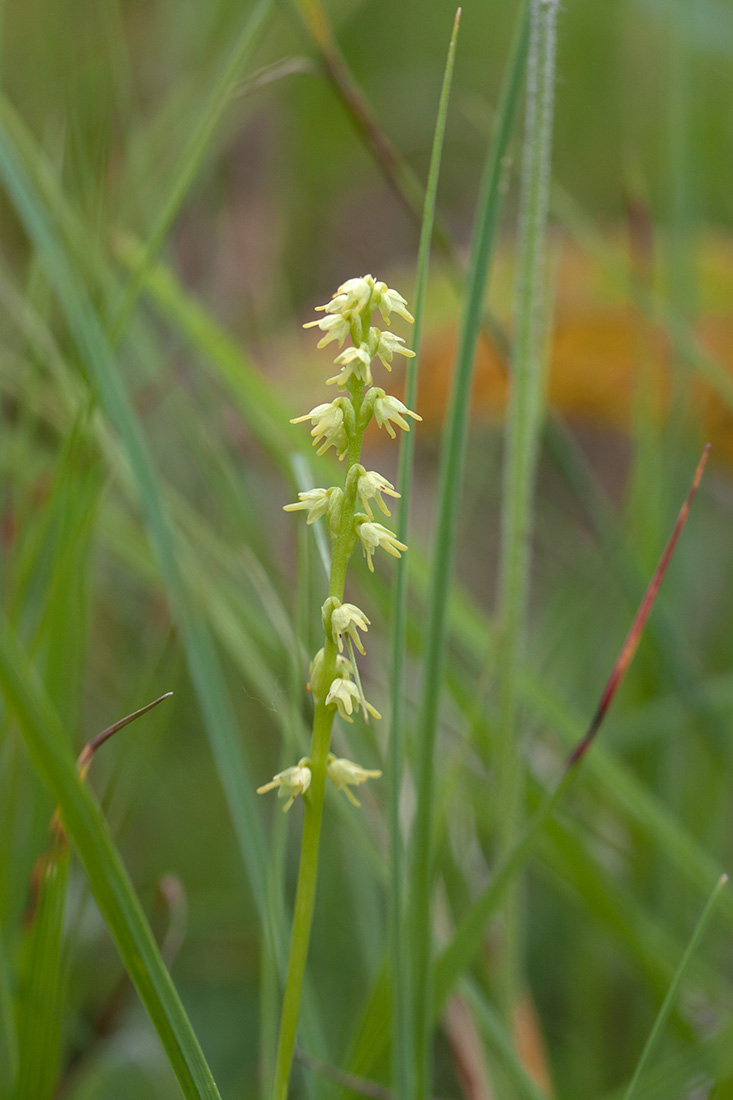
x=402, y=1055
x=524, y=424
x=449, y=495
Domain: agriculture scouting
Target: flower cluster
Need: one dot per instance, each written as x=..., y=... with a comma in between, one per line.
x=343, y=774
x=349, y=511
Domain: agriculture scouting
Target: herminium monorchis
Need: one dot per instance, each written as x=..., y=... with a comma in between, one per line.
x=334, y=678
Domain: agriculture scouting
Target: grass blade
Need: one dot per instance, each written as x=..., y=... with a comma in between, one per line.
x=87, y=830
x=500, y=1043
x=205, y=669
x=41, y=1006
x=449, y=495
x=523, y=428
x=468, y=936
x=470, y=931
x=628, y=649
x=668, y=1004
x=402, y=1056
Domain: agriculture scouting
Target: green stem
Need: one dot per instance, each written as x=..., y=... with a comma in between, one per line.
x=305, y=894
x=449, y=494
x=669, y=1001
x=522, y=437
x=402, y=1025
x=304, y=899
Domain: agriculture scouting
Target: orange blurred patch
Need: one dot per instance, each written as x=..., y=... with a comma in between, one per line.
x=606, y=363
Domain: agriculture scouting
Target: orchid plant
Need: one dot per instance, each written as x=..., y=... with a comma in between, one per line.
x=334, y=679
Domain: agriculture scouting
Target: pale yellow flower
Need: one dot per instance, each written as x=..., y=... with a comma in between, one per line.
x=290, y=783
x=328, y=425
x=345, y=696
x=346, y=620
x=369, y=487
x=345, y=773
x=373, y=535
x=387, y=409
x=315, y=501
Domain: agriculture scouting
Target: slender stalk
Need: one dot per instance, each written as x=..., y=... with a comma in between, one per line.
x=346, y=434
x=524, y=422
x=668, y=1004
x=451, y=476
x=304, y=900
x=402, y=1056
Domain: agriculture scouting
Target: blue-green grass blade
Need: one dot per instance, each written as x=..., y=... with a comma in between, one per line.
x=669, y=1001
x=205, y=669
x=449, y=496
x=41, y=1010
x=48, y=745
x=402, y=1054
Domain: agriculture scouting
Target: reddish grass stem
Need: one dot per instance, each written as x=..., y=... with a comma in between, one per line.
x=628, y=649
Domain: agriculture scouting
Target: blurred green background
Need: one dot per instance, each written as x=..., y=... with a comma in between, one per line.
x=211, y=134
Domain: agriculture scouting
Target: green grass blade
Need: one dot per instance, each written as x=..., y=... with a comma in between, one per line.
x=47, y=743
x=469, y=934
x=449, y=495
x=402, y=1055
x=41, y=1011
x=668, y=1004
x=523, y=428
x=205, y=669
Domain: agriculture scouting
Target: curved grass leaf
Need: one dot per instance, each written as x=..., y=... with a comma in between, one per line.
x=84, y=823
